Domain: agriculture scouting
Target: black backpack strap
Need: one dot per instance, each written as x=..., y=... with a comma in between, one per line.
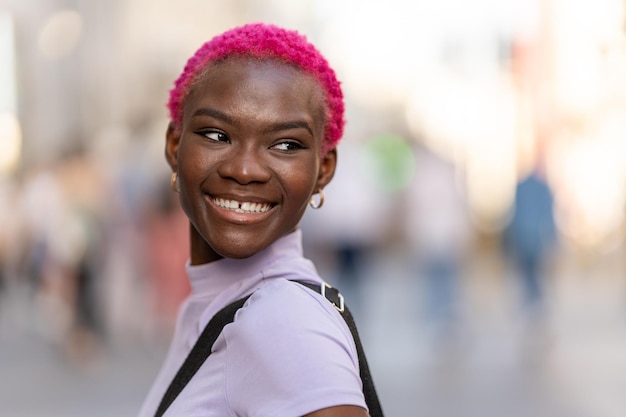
x=336, y=299
x=199, y=353
x=202, y=349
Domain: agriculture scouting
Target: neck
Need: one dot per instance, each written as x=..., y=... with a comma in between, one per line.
x=201, y=251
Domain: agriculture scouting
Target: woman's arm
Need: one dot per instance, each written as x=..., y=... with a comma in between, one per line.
x=340, y=411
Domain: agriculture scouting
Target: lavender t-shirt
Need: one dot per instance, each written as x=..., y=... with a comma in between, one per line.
x=287, y=353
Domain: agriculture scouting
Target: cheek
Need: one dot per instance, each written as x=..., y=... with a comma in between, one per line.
x=300, y=183
x=191, y=171
x=187, y=174
x=192, y=162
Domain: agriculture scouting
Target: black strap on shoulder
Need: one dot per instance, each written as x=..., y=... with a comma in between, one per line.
x=369, y=391
x=203, y=346
x=199, y=353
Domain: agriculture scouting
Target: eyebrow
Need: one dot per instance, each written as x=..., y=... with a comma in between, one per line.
x=295, y=124
x=276, y=127
x=216, y=114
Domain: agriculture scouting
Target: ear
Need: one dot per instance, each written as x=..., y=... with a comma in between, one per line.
x=327, y=169
x=172, y=140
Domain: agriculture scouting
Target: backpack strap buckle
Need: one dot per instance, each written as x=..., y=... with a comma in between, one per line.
x=332, y=295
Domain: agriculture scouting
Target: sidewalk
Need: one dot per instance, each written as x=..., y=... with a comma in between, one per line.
x=490, y=365
x=493, y=364
x=38, y=381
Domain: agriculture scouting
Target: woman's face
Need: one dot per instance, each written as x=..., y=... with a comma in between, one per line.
x=248, y=156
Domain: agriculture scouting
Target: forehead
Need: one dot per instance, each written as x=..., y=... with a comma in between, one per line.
x=248, y=85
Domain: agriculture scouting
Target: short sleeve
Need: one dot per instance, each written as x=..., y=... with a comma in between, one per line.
x=289, y=353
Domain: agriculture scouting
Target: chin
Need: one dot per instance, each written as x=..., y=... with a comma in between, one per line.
x=239, y=252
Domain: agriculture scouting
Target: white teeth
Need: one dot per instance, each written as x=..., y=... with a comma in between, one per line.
x=245, y=207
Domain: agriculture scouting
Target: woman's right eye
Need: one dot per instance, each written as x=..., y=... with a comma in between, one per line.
x=214, y=135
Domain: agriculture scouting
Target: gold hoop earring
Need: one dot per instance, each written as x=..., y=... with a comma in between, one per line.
x=318, y=204
x=174, y=181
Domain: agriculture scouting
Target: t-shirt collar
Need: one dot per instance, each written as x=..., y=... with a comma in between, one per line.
x=214, y=277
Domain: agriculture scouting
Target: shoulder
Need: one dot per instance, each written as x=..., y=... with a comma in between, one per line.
x=289, y=294
x=288, y=309
x=289, y=349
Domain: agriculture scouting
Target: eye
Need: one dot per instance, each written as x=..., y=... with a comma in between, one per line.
x=214, y=135
x=288, y=146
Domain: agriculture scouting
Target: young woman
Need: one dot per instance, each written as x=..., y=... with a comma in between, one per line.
x=255, y=120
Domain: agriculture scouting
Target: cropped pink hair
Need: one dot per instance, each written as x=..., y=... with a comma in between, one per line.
x=266, y=42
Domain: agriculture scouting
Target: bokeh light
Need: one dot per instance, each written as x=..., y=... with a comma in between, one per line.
x=60, y=34
x=392, y=160
x=10, y=143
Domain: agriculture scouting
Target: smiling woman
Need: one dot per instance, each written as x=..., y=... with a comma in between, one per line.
x=255, y=120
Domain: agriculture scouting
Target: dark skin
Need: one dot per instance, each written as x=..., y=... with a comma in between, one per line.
x=248, y=158
x=251, y=133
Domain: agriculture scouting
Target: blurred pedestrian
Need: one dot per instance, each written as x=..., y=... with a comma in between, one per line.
x=439, y=235
x=530, y=238
x=165, y=251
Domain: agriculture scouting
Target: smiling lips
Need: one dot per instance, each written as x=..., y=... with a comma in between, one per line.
x=242, y=207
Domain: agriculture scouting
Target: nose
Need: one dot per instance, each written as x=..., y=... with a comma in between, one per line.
x=245, y=164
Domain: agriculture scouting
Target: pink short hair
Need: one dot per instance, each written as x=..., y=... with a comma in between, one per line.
x=266, y=42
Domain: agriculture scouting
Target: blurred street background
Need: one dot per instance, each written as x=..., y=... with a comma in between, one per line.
x=476, y=223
